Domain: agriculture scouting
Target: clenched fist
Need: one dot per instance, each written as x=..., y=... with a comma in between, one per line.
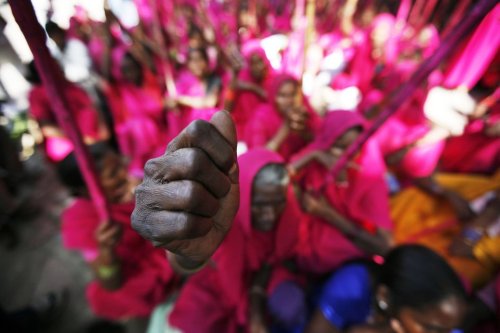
x=190, y=195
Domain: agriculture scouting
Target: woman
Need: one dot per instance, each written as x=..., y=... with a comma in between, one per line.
x=466, y=245
x=250, y=87
x=231, y=292
x=197, y=93
x=131, y=276
x=137, y=106
x=56, y=143
x=349, y=215
x=393, y=297
x=282, y=125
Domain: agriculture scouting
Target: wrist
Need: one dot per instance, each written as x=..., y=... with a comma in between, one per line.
x=184, y=265
x=472, y=235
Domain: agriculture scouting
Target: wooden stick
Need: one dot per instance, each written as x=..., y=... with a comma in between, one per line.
x=54, y=82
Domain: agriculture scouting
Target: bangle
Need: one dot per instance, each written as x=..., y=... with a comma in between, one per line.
x=181, y=269
x=258, y=291
x=105, y=272
x=472, y=235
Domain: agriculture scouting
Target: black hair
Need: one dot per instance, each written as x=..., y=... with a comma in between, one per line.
x=194, y=30
x=271, y=174
x=31, y=74
x=418, y=277
x=69, y=172
x=202, y=51
x=52, y=27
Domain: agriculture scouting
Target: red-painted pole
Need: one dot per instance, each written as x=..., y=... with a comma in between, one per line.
x=448, y=45
x=54, y=82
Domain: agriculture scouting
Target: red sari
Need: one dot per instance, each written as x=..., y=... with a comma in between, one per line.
x=147, y=277
x=364, y=200
x=216, y=298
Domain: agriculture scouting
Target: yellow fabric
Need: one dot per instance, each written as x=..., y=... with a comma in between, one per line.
x=487, y=251
x=423, y=219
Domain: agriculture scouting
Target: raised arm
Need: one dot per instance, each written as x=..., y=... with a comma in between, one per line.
x=190, y=195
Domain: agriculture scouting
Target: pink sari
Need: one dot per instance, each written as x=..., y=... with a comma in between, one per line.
x=188, y=85
x=138, y=114
x=246, y=102
x=147, y=277
x=86, y=117
x=477, y=54
x=216, y=298
x=267, y=121
x=364, y=200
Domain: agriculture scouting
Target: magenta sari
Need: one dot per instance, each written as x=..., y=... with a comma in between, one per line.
x=477, y=54
x=364, y=200
x=138, y=114
x=216, y=298
x=188, y=85
x=246, y=102
x=147, y=276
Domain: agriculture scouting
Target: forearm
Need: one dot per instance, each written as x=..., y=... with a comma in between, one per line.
x=371, y=243
x=107, y=269
x=302, y=162
x=429, y=185
x=198, y=102
x=184, y=265
x=275, y=143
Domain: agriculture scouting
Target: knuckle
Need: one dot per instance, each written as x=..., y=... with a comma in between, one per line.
x=195, y=162
x=196, y=128
x=152, y=167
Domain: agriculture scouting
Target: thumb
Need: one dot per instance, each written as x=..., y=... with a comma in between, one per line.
x=223, y=122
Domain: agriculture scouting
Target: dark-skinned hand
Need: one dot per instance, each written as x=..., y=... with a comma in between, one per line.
x=108, y=235
x=190, y=195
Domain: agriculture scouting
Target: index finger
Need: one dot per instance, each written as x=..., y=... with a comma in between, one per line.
x=218, y=143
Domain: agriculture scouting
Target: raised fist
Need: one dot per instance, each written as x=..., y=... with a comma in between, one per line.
x=190, y=195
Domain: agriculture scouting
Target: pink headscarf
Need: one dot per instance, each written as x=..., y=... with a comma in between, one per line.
x=364, y=200
x=259, y=132
x=335, y=123
x=250, y=48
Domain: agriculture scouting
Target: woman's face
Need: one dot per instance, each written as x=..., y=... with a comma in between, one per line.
x=257, y=67
x=114, y=178
x=285, y=98
x=131, y=71
x=268, y=202
x=345, y=140
x=197, y=64
x=439, y=318
x=196, y=41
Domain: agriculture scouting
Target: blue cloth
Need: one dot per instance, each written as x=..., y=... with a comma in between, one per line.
x=287, y=305
x=346, y=298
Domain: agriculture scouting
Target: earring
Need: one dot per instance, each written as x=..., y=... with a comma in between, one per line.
x=382, y=305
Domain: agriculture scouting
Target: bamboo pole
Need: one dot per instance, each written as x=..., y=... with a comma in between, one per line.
x=54, y=82
x=476, y=14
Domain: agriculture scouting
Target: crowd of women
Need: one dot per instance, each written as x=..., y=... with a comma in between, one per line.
x=403, y=238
